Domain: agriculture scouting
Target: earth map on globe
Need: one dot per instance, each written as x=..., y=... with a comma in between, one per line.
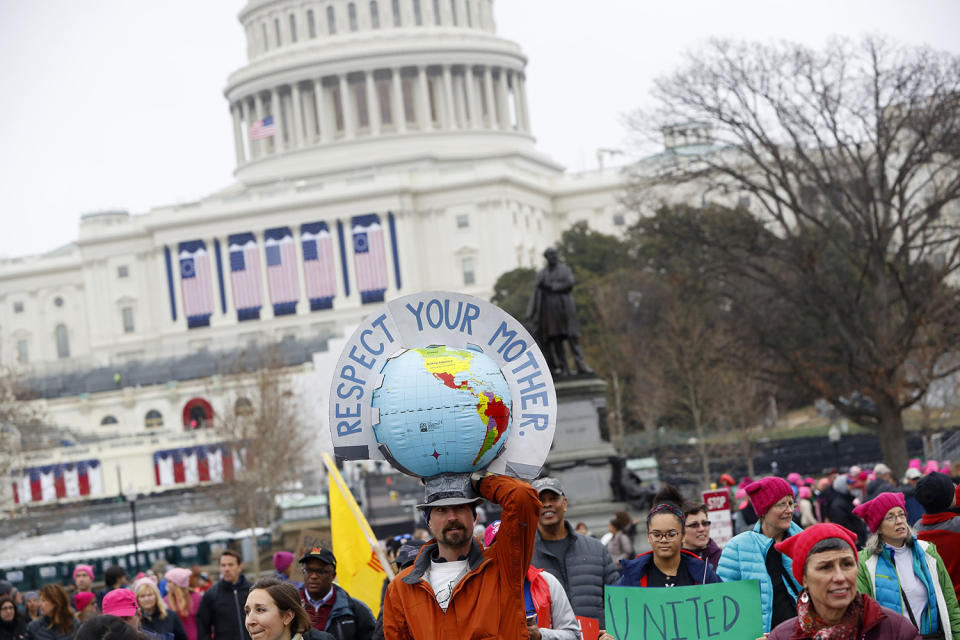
x=442, y=410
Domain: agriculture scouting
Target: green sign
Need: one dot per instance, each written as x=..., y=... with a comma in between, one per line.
x=722, y=611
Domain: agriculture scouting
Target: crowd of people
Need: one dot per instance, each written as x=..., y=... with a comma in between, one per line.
x=848, y=555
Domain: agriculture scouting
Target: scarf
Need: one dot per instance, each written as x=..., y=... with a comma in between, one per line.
x=817, y=629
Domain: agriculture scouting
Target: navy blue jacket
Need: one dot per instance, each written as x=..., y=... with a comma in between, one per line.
x=634, y=572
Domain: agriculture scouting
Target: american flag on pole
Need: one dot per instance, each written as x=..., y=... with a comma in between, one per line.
x=195, y=283
x=282, y=270
x=245, y=275
x=318, y=270
x=264, y=128
x=369, y=257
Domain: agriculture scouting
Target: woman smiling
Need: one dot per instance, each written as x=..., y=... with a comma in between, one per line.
x=906, y=574
x=274, y=612
x=829, y=607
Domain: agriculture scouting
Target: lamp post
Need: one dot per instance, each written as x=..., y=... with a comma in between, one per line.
x=834, y=435
x=131, y=497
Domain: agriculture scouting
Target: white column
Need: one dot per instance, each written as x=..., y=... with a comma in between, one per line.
x=423, y=109
x=276, y=109
x=346, y=106
x=396, y=97
x=297, y=135
x=262, y=142
x=267, y=310
x=449, y=109
x=503, y=104
x=488, y=90
x=373, y=104
x=227, y=282
x=520, y=91
x=303, y=306
x=237, y=133
x=460, y=100
x=324, y=126
x=472, y=105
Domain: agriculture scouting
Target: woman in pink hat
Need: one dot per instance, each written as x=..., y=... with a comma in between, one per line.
x=903, y=573
x=183, y=600
x=750, y=555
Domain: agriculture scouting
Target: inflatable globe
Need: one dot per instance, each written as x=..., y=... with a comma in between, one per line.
x=442, y=410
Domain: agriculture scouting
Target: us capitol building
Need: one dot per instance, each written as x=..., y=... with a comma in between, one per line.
x=382, y=147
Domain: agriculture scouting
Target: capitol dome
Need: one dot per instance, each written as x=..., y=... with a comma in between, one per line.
x=350, y=83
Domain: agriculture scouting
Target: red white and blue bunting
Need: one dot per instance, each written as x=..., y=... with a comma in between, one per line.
x=53, y=482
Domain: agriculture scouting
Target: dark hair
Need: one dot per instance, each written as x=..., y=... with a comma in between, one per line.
x=286, y=597
x=62, y=618
x=232, y=553
x=828, y=544
x=16, y=609
x=113, y=574
x=106, y=627
x=689, y=508
x=668, y=500
x=620, y=520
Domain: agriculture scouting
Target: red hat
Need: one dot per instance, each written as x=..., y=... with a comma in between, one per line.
x=766, y=492
x=873, y=511
x=798, y=546
x=119, y=602
x=82, y=599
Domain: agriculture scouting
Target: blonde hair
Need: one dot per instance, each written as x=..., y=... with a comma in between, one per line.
x=161, y=605
x=875, y=542
x=180, y=600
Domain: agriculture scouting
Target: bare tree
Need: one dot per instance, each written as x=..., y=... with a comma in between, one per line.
x=849, y=159
x=262, y=415
x=18, y=416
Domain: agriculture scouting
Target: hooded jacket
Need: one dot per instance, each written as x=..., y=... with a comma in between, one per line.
x=943, y=530
x=488, y=601
x=169, y=628
x=350, y=619
x=744, y=558
x=634, y=572
x=879, y=623
x=40, y=629
x=221, y=611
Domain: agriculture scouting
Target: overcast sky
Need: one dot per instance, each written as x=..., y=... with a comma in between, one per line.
x=119, y=103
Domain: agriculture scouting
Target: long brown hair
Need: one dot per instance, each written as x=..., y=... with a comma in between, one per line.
x=287, y=598
x=62, y=619
x=180, y=600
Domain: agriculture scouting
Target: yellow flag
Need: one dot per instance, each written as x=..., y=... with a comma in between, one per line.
x=361, y=566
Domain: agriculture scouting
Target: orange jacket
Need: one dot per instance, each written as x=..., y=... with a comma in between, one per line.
x=488, y=601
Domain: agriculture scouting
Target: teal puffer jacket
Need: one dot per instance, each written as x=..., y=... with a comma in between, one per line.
x=744, y=558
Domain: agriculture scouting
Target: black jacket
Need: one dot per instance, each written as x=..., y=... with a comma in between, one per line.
x=220, y=613
x=40, y=629
x=15, y=630
x=169, y=628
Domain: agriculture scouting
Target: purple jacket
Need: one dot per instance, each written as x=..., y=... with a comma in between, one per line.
x=710, y=554
x=879, y=623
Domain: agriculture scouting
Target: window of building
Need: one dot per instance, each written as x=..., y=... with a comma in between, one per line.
x=243, y=407
x=397, y=21
x=469, y=272
x=276, y=28
x=352, y=15
x=108, y=420
x=18, y=307
x=331, y=21
x=293, y=28
x=123, y=271
x=23, y=351
x=153, y=419
x=469, y=15
x=432, y=89
x=127, y=315
x=337, y=107
x=619, y=220
x=359, y=91
x=374, y=14
x=383, y=98
x=197, y=414
x=311, y=24
x=463, y=221
x=63, y=341
x=406, y=86
x=58, y=301
x=436, y=12
x=266, y=41
x=417, y=14
x=453, y=12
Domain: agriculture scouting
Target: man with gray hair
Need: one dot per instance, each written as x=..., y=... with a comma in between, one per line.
x=882, y=483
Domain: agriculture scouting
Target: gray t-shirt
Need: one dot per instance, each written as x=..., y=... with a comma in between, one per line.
x=559, y=548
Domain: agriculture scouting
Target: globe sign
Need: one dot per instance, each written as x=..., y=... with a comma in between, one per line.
x=442, y=410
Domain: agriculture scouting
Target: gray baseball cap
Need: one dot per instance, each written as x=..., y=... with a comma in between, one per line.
x=548, y=484
x=448, y=489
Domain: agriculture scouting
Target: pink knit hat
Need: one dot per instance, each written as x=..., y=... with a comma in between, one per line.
x=179, y=577
x=914, y=463
x=873, y=511
x=805, y=492
x=86, y=568
x=766, y=492
x=794, y=478
x=282, y=560
x=490, y=534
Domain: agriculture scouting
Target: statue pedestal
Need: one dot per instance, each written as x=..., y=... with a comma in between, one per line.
x=582, y=457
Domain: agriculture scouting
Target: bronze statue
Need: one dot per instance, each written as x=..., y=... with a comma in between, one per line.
x=553, y=311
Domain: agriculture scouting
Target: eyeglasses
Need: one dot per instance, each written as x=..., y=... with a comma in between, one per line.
x=7, y=607
x=893, y=517
x=316, y=572
x=664, y=535
x=697, y=525
x=785, y=506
